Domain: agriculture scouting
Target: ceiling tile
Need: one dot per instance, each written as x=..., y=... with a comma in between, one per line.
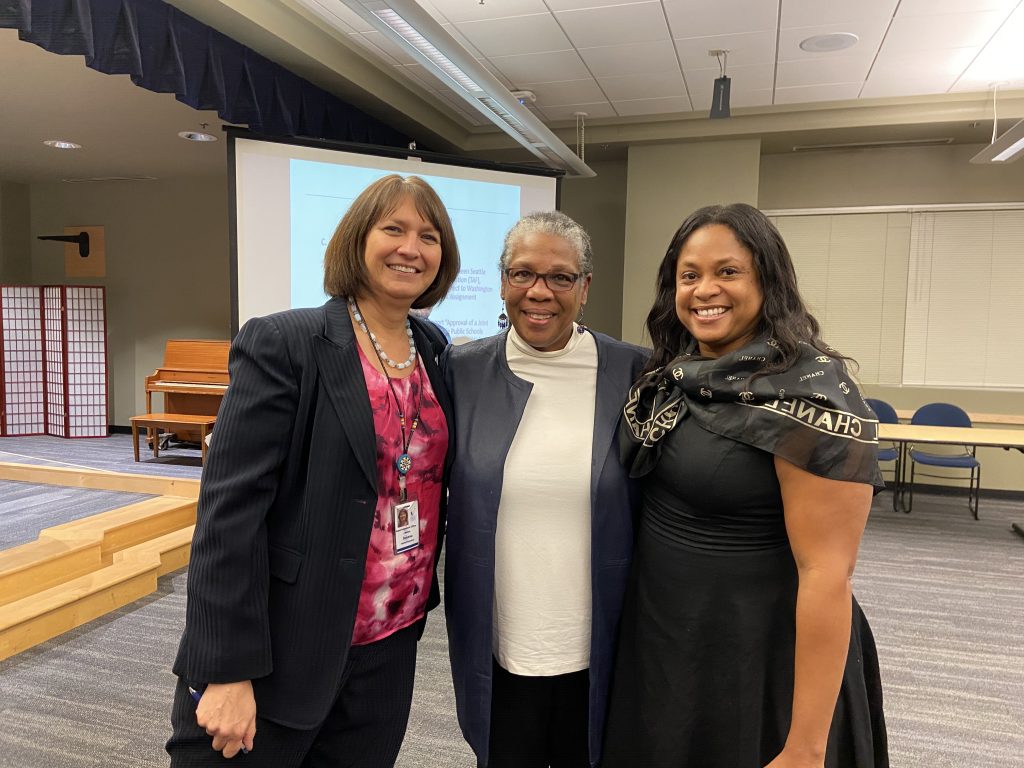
x=951, y=30
x=462, y=40
x=807, y=93
x=1001, y=60
x=870, y=34
x=497, y=73
x=841, y=69
x=932, y=7
x=565, y=92
x=737, y=99
x=699, y=18
x=517, y=35
x=969, y=84
x=593, y=110
x=810, y=13
x=472, y=10
x=653, y=85
x=637, y=58
x=569, y=5
x=917, y=73
x=541, y=67
x=744, y=49
x=652, y=106
x=755, y=98
x=743, y=79
x=614, y=25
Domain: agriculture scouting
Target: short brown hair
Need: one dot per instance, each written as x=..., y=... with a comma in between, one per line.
x=344, y=262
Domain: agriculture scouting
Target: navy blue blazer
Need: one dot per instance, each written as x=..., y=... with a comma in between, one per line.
x=285, y=511
x=488, y=401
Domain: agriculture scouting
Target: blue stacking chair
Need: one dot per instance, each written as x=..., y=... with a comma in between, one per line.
x=946, y=415
x=887, y=415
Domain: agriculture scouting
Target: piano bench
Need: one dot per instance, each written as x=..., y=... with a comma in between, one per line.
x=171, y=421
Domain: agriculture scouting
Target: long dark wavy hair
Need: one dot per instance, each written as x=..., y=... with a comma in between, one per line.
x=784, y=316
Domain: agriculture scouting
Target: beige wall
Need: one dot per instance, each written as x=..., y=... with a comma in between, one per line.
x=15, y=243
x=665, y=183
x=167, y=263
x=894, y=176
x=599, y=205
x=924, y=175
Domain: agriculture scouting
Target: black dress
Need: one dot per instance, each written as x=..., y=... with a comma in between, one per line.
x=704, y=673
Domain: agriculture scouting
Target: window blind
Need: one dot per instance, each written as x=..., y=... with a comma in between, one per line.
x=925, y=298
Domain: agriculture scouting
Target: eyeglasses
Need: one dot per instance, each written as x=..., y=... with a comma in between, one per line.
x=555, y=281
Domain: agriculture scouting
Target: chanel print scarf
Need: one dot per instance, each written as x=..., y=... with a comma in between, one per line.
x=812, y=415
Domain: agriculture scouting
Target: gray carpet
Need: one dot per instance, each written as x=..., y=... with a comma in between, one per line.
x=944, y=594
x=945, y=597
x=113, y=453
x=27, y=509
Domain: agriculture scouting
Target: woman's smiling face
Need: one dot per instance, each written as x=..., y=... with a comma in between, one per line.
x=718, y=292
x=542, y=317
x=402, y=253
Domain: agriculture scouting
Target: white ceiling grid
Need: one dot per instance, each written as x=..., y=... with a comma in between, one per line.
x=615, y=59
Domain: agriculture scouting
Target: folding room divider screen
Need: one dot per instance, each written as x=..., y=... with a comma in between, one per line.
x=54, y=350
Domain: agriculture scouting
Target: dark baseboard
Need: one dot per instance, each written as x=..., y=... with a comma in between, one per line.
x=117, y=429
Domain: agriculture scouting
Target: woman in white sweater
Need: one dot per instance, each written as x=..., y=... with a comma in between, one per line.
x=540, y=515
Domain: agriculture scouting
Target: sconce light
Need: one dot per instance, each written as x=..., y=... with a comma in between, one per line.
x=82, y=238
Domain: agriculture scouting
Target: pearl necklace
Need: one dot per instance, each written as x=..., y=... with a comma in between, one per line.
x=376, y=344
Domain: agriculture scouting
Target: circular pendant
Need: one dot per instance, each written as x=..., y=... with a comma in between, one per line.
x=403, y=463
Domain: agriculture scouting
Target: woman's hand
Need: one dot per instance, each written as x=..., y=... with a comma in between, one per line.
x=228, y=713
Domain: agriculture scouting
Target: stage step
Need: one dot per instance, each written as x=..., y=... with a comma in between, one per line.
x=127, y=526
x=73, y=549
x=168, y=552
x=78, y=571
x=58, y=609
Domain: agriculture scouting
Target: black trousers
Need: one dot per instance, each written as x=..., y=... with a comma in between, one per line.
x=364, y=728
x=539, y=722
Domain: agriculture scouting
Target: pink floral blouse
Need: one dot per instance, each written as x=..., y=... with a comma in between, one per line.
x=396, y=586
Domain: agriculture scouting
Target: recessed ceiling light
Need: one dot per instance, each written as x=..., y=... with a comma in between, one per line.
x=828, y=43
x=61, y=144
x=197, y=136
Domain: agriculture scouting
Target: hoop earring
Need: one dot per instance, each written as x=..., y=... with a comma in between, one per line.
x=502, y=318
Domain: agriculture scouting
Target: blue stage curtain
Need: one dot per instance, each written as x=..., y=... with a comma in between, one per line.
x=164, y=50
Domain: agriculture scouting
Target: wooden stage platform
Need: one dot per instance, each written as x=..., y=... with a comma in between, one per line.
x=77, y=571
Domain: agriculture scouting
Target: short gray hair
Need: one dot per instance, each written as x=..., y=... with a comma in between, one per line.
x=553, y=223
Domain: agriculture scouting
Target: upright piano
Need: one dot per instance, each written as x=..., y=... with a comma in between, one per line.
x=193, y=379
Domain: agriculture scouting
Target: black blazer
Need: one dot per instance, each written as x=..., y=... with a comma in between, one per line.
x=285, y=510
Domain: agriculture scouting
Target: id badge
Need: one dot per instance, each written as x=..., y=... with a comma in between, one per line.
x=406, y=520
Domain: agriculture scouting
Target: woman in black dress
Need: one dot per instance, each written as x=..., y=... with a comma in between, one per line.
x=741, y=645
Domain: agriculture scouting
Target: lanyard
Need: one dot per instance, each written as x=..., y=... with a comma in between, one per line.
x=404, y=461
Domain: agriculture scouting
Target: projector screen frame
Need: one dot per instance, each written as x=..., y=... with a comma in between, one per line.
x=435, y=158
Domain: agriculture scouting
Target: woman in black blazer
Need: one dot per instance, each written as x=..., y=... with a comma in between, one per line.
x=321, y=513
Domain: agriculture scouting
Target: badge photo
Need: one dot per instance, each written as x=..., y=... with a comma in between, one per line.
x=406, y=522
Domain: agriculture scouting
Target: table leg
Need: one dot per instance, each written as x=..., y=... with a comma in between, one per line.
x=135, y=439
x=156, y=442
x=202, y=442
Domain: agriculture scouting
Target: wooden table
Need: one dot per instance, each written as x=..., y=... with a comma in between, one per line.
x=171, y=421
x=982, y=437
x=1013, y=419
